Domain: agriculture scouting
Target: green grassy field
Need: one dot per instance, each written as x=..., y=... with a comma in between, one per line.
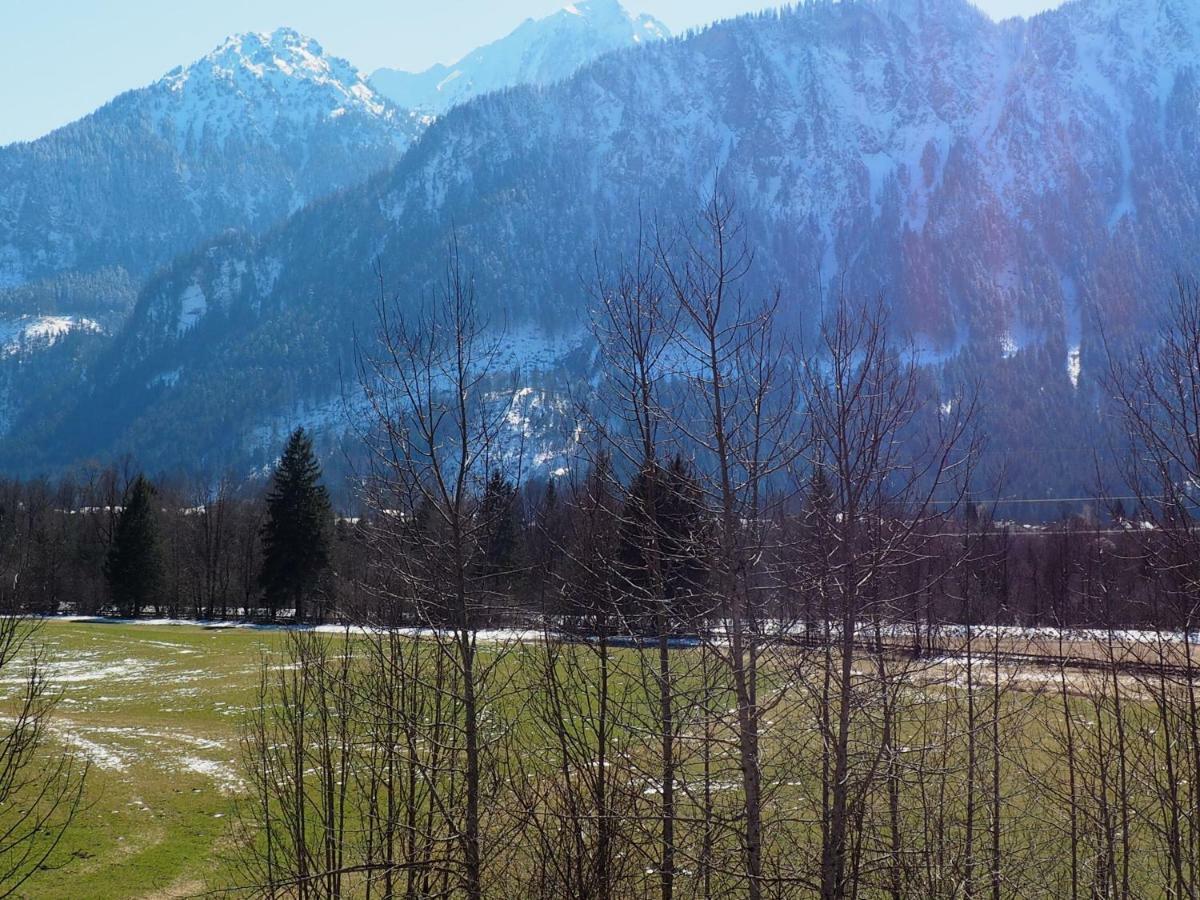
x=156, y=710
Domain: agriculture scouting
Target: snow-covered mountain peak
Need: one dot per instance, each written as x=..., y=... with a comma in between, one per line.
x=284, y=48
x=607, y=22
x=268, y=84
x=610, y=14
x=268, y=75
x=252, y=131
x=596, y=8
x=539, y=52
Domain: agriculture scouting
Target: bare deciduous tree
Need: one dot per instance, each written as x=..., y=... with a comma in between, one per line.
x=41, y=784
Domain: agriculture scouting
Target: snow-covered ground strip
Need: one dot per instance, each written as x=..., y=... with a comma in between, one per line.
x=893, y=630
x=950, y=671
x=487, y=635
x=96, y=754
x=768, y=629
x=1043, y=633
x=84, y=669
x=118, y=749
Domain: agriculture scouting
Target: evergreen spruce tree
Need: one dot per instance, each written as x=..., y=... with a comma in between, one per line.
x=816, y=549
x=687, y=543
x=295, y=535
x=134, y=567
x=818, y=510
x=591, y=530
x=971, y=512
x=500, y=538
x=677, y=525
x=543, y=545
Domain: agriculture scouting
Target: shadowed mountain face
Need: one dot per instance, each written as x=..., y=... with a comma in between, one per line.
x=538, y=52
x=1000, y=183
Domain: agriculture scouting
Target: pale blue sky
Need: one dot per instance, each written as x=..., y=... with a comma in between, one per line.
x=60, y=59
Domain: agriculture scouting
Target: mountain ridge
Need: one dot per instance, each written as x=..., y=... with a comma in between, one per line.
x=538, y=51
x=172, y=162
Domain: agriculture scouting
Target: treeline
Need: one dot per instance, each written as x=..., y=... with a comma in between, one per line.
x=111, y=542
x=206, y=557
x=201, y=552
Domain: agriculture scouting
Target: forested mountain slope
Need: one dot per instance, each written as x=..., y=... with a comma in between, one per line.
x=235, y=141
x=1004, y=185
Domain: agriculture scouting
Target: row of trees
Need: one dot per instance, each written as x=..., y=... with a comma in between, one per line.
x=147, y=549
x=143, y=548
x=113, y=542
x=50, y=544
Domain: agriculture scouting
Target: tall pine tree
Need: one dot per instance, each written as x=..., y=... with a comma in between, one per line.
x=677, y=528
x=500, y=537
x=134, y=567
x=295, y=535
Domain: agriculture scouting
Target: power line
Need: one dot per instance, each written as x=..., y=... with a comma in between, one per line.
x=998, y=501
x=1047, y=450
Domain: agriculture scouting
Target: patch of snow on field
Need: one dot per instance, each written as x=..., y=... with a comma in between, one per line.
x=223, y=774
x=178, y=648
x=84, y=670
x=99, y=755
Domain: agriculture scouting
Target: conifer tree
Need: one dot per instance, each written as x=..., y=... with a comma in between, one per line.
x=500, y=535
x=687, y=542
x=543, y=544
x=591, y=541
x=295, y=535
x=134, y=567
x=677, y=529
